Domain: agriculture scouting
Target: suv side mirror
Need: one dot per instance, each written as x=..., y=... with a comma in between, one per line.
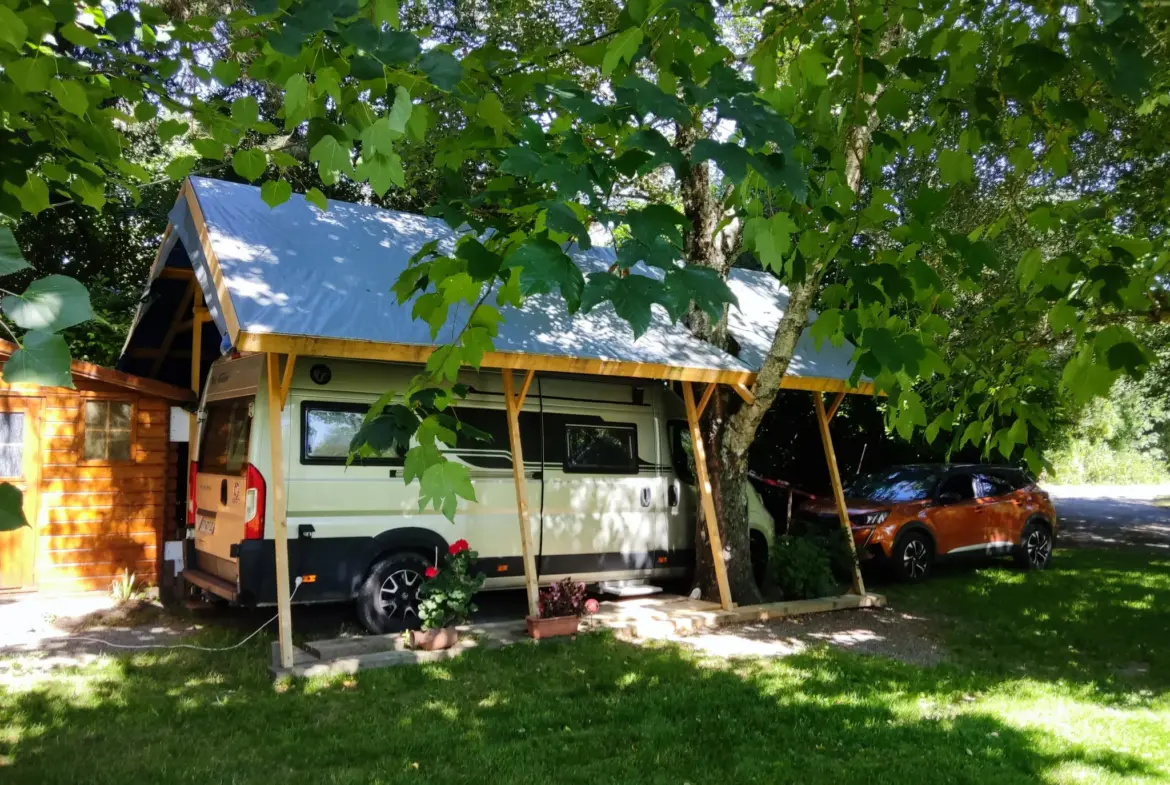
x=949, y=497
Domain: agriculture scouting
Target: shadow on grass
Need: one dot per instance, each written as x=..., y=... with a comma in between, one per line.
x=593, y=710
x=1099, y=618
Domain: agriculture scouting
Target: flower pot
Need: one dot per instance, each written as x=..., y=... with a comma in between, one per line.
x=434, y=640
x=547, y=628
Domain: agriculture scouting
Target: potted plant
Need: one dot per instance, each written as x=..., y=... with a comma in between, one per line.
x=445, y=599
x=561, y=606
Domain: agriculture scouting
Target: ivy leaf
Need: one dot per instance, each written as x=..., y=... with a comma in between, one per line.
x=442, y=69
x=545, y=266
x=11, y=259
x=70, y=95
x=314, y=197
x=11, y=508
x=42, y=359
x=51, y=303
x=442, y=485
x=250, y=164
x=623, y=47
x=275, y=192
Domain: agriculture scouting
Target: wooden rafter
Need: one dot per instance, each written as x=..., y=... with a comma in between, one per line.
x=705, y=497
x=706, y=399
x=835, y=405
x=173, y=330
x=744, y=392
x=286, y=380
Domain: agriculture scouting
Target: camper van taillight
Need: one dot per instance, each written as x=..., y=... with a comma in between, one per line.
x=192, y=473
x=253, y=505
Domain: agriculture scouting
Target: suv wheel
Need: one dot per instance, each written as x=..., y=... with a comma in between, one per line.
x=388, y=598
x=913, y=557
x=1035, y=549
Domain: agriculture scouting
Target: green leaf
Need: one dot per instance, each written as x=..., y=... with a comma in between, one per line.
x=561, y=218
x=1062, y=316
x=331, y=157
x=460, y=286
x=492, y=113
x=827, y=326
x=31, y=74
x=731, y=159
x=545, y=266
x=623, y=47
x=703, y=286
x=275, y=192
x=955, y=166
x=296, y=94
x=121, y=26
x=33, y=195
x=51, y=304
x=11, y=259
x=657, y=220
x=169, y=129
x=418, y=459
x=79, y=36
x=378, y=137
x=43, y=359
x=250, y=164
x=386, y=11
x=442, y=484
x=92, y=194
x=399, y=112
x=226, y=72
x=11, y=508
x=381, y=171
x=209, y=148
x=441, y=68
x=811, y=65
x=180, y=167
x=314, y=197
x=1029, y=267
x=631, y=297
x=13, y=31
x=245, y=110
x=70, y=95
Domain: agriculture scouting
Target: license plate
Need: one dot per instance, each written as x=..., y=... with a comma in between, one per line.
x=206, y=526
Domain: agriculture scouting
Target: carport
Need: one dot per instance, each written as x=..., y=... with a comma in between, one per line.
x=233, y=274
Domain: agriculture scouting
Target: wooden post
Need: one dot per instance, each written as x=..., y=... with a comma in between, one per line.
x=838, y=491
x=708, y=502
x=279, y=521
x=198, y=314
x=513, y=403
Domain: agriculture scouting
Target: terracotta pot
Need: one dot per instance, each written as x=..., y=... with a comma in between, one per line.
x=547, y=628
x=434, y=640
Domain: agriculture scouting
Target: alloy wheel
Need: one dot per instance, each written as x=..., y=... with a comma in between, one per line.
x=398, y=594
x=1039, y=548
x=915, y=558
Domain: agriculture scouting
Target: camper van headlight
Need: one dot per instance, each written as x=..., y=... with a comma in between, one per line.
x=876, y=518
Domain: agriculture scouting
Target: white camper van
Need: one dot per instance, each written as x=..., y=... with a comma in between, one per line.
x=606, y=462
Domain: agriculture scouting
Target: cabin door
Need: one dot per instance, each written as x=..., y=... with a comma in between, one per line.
x=20, y=462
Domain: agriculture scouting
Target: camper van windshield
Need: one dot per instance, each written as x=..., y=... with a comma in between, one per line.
x=226, y=431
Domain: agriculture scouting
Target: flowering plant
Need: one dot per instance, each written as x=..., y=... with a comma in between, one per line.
x=564, y=598
x=445, y=598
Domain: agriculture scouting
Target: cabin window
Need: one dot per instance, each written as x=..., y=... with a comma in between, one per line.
x=107, y=431
x=11, y=444
x=327, y=430
x=227, y=431
x=602, y=449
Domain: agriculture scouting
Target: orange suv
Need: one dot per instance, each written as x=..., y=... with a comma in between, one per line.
x=909, y=516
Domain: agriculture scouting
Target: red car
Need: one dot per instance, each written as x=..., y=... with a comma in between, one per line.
x=909, y=516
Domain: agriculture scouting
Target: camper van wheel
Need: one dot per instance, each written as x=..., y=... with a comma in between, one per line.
x=388, y=600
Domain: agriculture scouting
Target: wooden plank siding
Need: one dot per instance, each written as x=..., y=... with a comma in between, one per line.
x=97, y=519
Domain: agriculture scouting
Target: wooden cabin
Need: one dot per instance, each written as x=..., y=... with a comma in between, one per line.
x=100, y=476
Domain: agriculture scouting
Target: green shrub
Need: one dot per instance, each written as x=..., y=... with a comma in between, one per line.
x=800, y=568
x=831, y=539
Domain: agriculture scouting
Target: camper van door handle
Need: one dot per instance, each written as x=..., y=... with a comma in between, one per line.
x=646, y=496
x=223, y=491
x=672, y=495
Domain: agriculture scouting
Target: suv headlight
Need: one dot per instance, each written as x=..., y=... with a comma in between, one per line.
x=877, y=518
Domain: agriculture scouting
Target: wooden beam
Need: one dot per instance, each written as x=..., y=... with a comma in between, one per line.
x=154, y=354
x=513, y=410
x=197, y=344
x=173, y=329
x=524, y=389
x=279, y=521
x=706, y=399
x=177, y=273
x=838, y=491
x=286, y=381
x=708, y=502
x=744, y=392
x=835, y=405
x=213, y=266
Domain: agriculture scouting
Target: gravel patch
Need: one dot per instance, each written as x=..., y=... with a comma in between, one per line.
x=879, y=631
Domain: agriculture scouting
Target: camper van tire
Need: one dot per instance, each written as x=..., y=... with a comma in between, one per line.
x=388, y=598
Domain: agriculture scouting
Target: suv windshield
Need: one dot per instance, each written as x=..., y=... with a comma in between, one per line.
x=906, y=484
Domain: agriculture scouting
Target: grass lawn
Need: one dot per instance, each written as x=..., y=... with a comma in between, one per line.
x=1055, y=677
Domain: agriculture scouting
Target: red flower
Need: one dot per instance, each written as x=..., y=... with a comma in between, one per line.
x=459, y=546
x=432, y=572
x=591, y=606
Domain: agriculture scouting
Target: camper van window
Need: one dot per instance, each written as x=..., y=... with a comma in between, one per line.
x=328, y=428
x=682, y=454
x=605, y=449
x=107, y=431
x=226, y=432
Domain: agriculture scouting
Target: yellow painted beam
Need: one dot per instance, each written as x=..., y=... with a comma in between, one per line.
x=279, y=519
x=511, y=402
x=708, y=501
x=838, y=490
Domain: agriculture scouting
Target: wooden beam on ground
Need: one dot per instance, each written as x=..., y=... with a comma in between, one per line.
x=706, y=399
x=286, y=380
x=705, y=496
x=279, y=521
x=744, y=392
x=512, y=402
x=838, y=490
x=835, y=405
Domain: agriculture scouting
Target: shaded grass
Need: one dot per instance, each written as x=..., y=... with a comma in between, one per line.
x=595, y=710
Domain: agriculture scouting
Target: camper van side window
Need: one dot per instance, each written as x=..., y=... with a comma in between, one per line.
x=603, y=449
x=328, y=428
x=223, y=449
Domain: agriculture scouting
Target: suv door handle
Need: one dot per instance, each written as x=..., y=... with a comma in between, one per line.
x=223, y=491
x=646, y=496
